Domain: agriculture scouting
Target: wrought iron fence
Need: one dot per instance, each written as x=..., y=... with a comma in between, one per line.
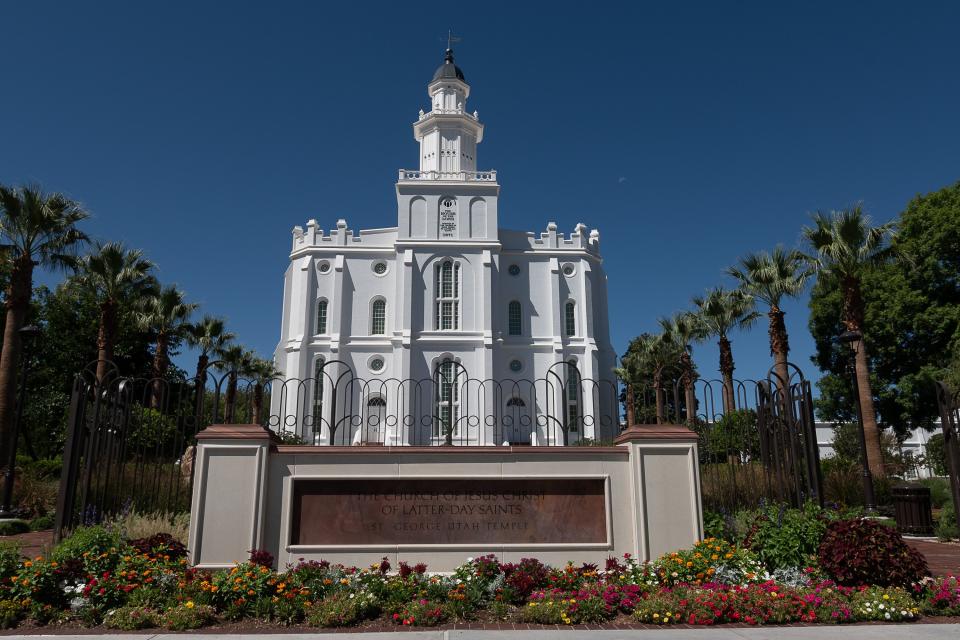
x=948, y=402
x=130, y=441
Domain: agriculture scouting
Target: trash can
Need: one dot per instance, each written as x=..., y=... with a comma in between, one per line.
x=911, y=506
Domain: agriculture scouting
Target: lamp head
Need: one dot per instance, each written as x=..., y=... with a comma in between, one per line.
x=848, y=337
x=29, y=331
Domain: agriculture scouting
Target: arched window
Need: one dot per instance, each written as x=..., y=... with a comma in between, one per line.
x=516, y=401
x=514, y=318
x=321, y=317
x=378, y=317
x=570, y=318
x=447, y=294
x=448, y=398
x=317, y=394
x=376, y=418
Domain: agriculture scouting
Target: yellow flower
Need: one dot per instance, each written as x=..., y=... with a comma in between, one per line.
x=886, y=596
x=189, y=604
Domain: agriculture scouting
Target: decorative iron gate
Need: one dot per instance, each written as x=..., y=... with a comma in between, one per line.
x=761, y=449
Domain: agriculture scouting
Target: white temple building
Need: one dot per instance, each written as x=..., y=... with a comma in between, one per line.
x=446, y=326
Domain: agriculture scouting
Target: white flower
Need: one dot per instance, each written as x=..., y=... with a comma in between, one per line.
x=886, y=616
x=469, y=559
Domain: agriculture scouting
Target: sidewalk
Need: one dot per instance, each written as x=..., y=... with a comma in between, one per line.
x=847, y=632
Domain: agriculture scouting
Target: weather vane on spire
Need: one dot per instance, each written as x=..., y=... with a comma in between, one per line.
x=452, y=39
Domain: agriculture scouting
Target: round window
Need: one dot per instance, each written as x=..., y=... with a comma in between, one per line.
x=514, y=269
x=376, y=364
x=380, y=267
x=569, y=270
x=324, y=267
x=515, y=365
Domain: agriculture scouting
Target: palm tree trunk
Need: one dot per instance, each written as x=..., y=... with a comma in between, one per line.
x=726, y=372
x=231, y=398
x=779, y=347
x=105, y=338
x=256, y=402
x=691, y=400
x=18, y=303
x=160, y=363
x=687, y=379
x=852, y=314
x=658, y=391
x=871, y=431
x=631, y=407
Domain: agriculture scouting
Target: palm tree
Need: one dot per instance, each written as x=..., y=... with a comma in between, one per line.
x=167, y=315
x=718, y=313
x=263, y=373
x=771, y=277
x=682, y=329
x=211, y=337
x=39, y=229
x=236, y=361
x=119, y=278
x=649, y=358
x=845, y=245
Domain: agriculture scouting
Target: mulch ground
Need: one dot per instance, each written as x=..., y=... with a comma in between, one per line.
x=253, y=626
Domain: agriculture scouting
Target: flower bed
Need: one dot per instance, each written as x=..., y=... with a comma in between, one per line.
x=95, y=577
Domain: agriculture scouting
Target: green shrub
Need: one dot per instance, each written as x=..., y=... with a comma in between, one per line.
x=947, y=523
x=13, y=527
x=936, y=454
x=11, y=613
x=862, y=552
x=42, y=523
x=131, y=618
x=189, y=616
x=783, y=537
x=98, y=547
x=939, y=490
x=9, y=558
x=342, y=609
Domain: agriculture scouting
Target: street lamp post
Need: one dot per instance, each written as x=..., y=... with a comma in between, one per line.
x=7, y=511
x=852, y=339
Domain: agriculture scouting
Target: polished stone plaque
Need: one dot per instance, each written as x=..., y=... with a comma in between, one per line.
x=474, y=511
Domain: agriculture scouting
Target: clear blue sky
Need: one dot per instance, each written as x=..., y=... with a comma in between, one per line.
x=688, y=133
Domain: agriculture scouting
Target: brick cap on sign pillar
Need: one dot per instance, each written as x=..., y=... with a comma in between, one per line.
x=643, y=432
x=238, y=432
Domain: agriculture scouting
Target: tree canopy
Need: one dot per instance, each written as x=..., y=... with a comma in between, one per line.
x=912, y=318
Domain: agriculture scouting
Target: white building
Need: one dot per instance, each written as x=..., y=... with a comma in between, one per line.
x=446, y=327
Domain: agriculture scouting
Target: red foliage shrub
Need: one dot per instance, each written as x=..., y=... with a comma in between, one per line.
x=261, y=557
x=161, y=545
x=525, y=576
x=864, y=552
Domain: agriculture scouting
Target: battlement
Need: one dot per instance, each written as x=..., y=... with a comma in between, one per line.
x=342, y=236
x=578, y=239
